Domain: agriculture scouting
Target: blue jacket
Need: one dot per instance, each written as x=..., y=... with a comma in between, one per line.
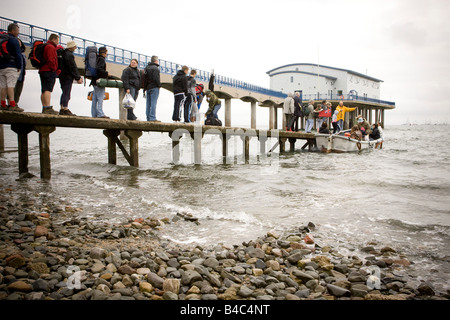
x=16, y=60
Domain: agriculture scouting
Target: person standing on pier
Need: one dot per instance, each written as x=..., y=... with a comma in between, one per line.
x=310, y=117
x=190, y=105
x=10, y=68
x=341, y=115
x=48, y=73
x=131, y=78
x=180, y=92
x=288, y=110
x=99, y=92
x=69, y=73
x=152, y=83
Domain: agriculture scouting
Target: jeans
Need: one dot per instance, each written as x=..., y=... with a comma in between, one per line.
x=340, y=124
x=309, y=125
x=214, y=112
x=179, y=101
x=152, y=98
x=97, y=102
x=319, y=122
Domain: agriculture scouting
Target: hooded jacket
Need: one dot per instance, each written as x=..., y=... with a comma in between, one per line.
x=13, y=47
x=180, y=83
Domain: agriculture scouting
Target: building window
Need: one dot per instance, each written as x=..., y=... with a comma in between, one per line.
x=292, y=79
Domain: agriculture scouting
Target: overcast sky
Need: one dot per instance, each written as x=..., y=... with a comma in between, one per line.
x=403, y=42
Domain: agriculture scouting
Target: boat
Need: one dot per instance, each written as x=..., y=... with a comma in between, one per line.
x=343, y=143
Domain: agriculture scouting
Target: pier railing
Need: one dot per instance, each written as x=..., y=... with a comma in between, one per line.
x=30, y=33
x=344, y=97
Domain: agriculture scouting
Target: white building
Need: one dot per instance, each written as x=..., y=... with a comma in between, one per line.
x=323, y=82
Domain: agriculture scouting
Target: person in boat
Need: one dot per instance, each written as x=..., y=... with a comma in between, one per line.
x=355, y=133
x=334, y=121
x=364, y=124
x=324, y=128
x=375, y=134
x=380, y=129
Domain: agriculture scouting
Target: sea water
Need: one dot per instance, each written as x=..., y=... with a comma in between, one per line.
x=398, y=196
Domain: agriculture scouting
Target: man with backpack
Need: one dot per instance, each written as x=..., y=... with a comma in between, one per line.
x=69, y=73
x=11, y=63
x=99, y=92
x=48, y=73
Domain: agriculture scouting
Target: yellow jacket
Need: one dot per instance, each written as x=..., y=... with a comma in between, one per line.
x=342, y=110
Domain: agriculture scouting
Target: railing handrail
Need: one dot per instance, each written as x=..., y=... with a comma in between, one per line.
x=344, y=97
x=123, y=56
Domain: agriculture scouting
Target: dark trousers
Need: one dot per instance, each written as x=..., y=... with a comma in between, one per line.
x=187, y=108
x=179, y=99
x=130, y=113
x=335, y=127
x=66, y=87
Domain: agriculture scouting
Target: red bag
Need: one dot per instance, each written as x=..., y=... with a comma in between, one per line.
x=325, y=113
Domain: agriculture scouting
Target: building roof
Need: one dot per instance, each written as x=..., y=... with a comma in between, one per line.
x=271, y=72
x=304, y=72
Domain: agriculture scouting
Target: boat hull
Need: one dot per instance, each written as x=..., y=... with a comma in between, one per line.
x=338, y=143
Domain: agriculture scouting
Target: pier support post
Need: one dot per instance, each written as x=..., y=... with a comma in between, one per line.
x=112, y=151
x=225, y=138
x=282, y=144
x=292, y=144
x=228, y=112
x=370, y=116
x=271, y=117
x=122, y=111
x=262, y=144
x=2, y=139
x=253, y=115
x=44, y=149
x=197, y=136
x=246, y=145
x=22, y=132
x=134, y=135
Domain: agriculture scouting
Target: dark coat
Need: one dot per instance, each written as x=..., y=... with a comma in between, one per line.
x=131, y=78
x=152, y=78
x=180, y=83
x=69, y=68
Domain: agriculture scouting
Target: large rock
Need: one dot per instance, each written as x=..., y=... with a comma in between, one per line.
x=155, y=280
x=20, y=286
x=190, y=276
x=126, y=269
x=97, y=253
x=15, y=261
x=39, y=267
x=302, y=276
x=172, y=285
x=256, y=253
x=145, y=287
x=323, y=262
x=40, y=231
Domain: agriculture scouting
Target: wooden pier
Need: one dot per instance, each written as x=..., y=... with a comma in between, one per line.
x=24, y=122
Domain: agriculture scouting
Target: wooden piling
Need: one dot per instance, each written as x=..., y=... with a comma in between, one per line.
x=112, y=137
x=44, y=149
x=134, y=136
x=22, y=132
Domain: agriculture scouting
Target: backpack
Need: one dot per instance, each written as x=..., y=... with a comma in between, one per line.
x=213, y=122
x=90, y=62
x=306, y=110
x=4, y=53
x=36, y=55
x=60, y=53
x=199, y=89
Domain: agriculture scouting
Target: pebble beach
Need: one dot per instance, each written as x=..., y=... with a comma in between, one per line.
x=49, y=252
